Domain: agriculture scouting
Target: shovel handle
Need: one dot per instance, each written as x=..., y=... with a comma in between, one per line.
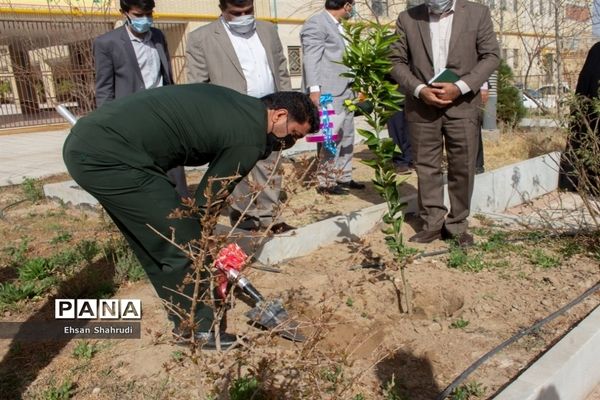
x=249, y=289
x=244, y=284
x=66, y=114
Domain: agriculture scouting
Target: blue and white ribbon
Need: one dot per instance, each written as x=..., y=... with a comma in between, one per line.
x=326, y=102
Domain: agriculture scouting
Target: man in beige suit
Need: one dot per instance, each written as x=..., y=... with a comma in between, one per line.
x=459, y=36
x=246, y=55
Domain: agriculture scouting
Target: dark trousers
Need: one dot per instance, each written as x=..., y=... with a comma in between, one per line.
x=459, y=136
x=398, y=131
x=136, y=198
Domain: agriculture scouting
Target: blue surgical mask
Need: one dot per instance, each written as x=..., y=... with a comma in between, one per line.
x=140, y=24
x=439, y=6
x=242, y=25
x=352, y=12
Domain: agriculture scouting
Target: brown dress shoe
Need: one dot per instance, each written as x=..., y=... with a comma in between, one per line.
x=404, y=169
x=426, y=236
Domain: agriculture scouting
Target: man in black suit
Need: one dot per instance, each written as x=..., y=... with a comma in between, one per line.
x=131, y=58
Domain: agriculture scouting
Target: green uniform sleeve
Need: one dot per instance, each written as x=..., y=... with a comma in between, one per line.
x=229, y=162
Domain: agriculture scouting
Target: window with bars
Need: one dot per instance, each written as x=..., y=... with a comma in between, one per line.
x=294, y=60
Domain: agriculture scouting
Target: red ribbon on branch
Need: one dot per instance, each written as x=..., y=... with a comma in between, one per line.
x=230, y=258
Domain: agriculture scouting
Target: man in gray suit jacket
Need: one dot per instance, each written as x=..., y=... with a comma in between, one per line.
x=118, y=69
x=246, y=55
x=131, y=58
x=456, y=35
x=322, y=49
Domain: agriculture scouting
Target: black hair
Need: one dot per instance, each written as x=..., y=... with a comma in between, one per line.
x=146, y=5
x=238, y=3
x=298, y=105
x=336, y=4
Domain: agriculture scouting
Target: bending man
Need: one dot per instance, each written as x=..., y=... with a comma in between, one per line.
x=121, y=152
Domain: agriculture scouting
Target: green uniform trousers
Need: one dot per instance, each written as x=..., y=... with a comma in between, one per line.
x=135, y=199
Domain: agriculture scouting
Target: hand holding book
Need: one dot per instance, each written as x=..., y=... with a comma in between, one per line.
x=444, y=76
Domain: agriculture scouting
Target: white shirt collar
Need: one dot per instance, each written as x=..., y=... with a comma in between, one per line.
x=132, y=37
x=333, y=18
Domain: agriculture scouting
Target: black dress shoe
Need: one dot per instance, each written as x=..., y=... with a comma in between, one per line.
x=282, y=227
x=426, y=236
x=332, y=190
x=208, y=341
x=247, y=223
x=351, y=185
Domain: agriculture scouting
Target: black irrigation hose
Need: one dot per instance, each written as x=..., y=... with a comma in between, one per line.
x=516, y=337
x=9, y=206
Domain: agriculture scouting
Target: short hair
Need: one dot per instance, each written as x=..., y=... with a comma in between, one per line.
x=336, y=4
x=146, y=5
x=299, y=106
x=238, y=3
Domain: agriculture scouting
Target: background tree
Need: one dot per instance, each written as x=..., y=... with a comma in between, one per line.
x=510, y=104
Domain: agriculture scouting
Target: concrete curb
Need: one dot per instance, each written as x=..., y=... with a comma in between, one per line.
x=527, y=179
x=342, y=228
x=569, y=370
x=515, y=184
x=69, y=192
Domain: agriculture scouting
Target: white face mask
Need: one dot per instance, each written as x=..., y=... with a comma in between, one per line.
x=439, y=6
x=242, y=25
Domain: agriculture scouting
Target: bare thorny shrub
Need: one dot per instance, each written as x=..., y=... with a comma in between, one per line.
x=575, y=211
x=261, y=367
x=584, y=153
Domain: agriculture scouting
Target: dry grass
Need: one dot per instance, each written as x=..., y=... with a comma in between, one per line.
x=521, y=145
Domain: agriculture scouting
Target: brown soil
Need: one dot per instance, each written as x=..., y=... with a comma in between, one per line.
x=357, y=311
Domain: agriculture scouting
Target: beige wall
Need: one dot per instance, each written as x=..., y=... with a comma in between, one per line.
x=211, y=7
x=521, y=27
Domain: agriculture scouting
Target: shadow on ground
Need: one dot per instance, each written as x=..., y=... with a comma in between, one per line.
x=25, y=359
x=412, y=376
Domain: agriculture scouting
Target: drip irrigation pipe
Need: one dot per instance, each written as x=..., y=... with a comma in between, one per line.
x=9, y=206
x=260, y=266
x=516, y=337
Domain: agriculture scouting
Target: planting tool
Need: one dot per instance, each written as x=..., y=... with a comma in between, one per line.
x=268, y=313
x=66, y=114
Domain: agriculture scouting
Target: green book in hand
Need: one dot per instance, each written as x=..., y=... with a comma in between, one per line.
x=444, y=75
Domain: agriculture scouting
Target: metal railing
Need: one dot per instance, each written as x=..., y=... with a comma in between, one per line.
x=49, y=61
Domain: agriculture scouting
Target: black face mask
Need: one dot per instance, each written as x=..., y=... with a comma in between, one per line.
x=275, y=143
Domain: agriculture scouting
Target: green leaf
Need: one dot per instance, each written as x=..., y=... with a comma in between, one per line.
x=370, y=163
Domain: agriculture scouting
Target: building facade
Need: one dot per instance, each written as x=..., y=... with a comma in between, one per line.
x=46, y=47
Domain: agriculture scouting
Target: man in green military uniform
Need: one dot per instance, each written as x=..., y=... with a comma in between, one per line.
x=121, y=152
